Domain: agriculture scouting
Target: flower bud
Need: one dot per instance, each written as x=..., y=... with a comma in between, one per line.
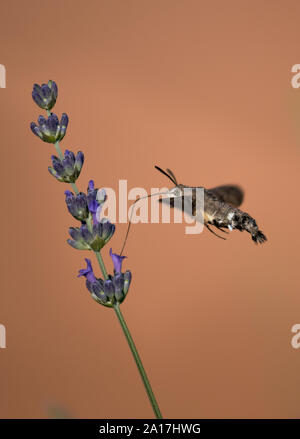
x=95, y=239
x=45, y=95
x=67, y=169
x=50, y=130
x=127, y=280
x=108, y=287
x=110, y=291
x=95, y=199
x=77, y=205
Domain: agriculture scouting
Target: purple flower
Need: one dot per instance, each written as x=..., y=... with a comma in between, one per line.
x=95, y=199
x=101, y=198
x=117, y=261
x=88, y=272
x=50, y=130
x=67, y=169
x=108, y=292
x=77, y=205
x=92, y=198
x=84, y=239
x=116, y=287
x=45, y=95
x=94, y=285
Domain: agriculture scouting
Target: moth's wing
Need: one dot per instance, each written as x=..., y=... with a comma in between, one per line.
x=190, y=204
x=230, y=194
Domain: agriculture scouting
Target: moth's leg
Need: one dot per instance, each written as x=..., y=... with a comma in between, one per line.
x=207, y=226
x=217, y=225
x=221, y=229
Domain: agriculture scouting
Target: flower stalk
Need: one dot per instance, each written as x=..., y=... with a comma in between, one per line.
x=94, y=233
x=101, y=264
x=138, y=362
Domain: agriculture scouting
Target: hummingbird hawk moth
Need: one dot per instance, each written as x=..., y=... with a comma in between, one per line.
x=220, y=208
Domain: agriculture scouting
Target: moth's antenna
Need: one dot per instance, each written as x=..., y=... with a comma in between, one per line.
x=128, y=228
x=172, y=175
x=167, y=175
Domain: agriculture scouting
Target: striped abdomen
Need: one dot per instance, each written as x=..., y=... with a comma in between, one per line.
x=223, y=215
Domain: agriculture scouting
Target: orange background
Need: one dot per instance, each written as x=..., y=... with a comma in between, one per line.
x=203, y=88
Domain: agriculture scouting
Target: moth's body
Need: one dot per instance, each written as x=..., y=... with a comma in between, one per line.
x=220, y=207
x=221, y=214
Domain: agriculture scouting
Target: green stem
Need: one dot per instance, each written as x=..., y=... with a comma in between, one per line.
x=101, y=263
x=75, y=189
x=57, y=147
x=138, y=362
x=132, y=346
